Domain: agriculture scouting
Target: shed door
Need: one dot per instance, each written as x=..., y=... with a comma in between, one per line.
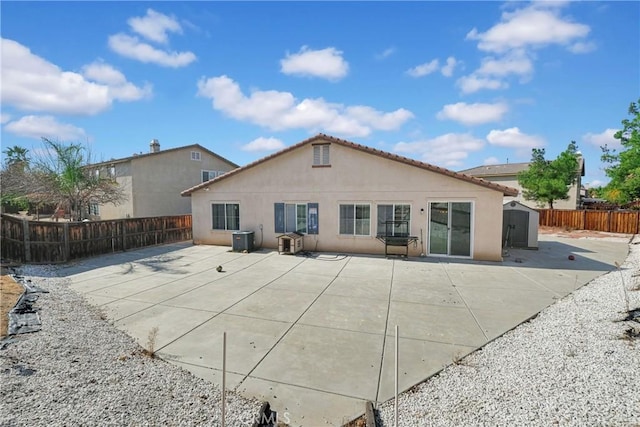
x=515, y=228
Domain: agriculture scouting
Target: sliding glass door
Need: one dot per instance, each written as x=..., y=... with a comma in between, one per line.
x=450, y=228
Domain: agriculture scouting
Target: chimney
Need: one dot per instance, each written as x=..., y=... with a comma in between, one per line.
x=154, y=146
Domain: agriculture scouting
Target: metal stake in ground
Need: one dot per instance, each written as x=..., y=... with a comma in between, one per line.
x=396, y=382
x=224, y=374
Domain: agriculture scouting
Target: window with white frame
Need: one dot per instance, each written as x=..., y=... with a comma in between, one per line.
x=394, y=212
x=355, y=219
x=195, y=155
x=295, y=217
x=225, y=216
x=321, y=155
x=209, y=175
x=112, y=171
x=94, y=209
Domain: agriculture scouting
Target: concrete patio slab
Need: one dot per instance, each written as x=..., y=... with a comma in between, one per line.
x=418, y=360
x=348, y=313
x=170, y=322
x=311, y=355
x=314, y=335
x=248, y=341
x=120, y=308
x=449, y=325
x=302, y=406
x=274, y=304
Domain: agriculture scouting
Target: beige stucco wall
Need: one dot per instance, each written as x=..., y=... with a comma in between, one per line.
x=354, y=177
x=154, y=183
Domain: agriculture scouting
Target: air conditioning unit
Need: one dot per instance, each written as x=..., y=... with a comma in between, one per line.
x=290, y=243
x=242, y=241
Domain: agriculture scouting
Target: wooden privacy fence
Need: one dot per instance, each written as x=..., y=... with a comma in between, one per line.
x=43, y=242
x=612, y=221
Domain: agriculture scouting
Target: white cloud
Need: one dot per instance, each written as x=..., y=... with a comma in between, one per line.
x=44, y=126
x=118, y=85
x=132, y=47
x=281, y=110
x=154, y=26
x=582, y=47
x=491, y=161
x=473, y=114
x=472, y=83
x=448, y=150
x=31, y=83
x=264, y=144
x=424, y=69
x=513, y=63
x=603, y=138
x=595, y=183
x=386, y=53
x=324, y=63
x=447, y=69
x=513, y=138
x=532, y=26
x=4, y=118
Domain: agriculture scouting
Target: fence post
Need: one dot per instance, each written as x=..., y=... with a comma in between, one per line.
x=609, y=221
x=584, y=220
x=27, y=240
x=65, y=236
x=124, y=234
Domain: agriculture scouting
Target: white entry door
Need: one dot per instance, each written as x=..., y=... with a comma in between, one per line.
x=450, y=228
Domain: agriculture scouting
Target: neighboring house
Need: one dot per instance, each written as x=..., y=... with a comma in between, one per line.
x=507, y=174
x=153, y=181
x=339, y=195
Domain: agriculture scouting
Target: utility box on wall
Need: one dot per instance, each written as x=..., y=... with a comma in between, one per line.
x=242, y=241
x=290, y=243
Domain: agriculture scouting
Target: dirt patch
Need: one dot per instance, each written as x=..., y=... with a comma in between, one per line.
x=577, y=234
x=10, y=292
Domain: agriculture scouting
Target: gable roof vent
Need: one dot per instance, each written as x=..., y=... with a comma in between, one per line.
x=154, y=146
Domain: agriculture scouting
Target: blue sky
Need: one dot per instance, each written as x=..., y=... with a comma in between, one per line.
x=455, y=84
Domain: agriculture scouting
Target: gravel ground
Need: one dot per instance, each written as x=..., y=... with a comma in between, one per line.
x=81, y=371
x=569, y=366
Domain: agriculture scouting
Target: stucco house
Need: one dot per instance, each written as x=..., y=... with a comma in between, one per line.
x=340, y=196
x=507, y=174
x=154, y=180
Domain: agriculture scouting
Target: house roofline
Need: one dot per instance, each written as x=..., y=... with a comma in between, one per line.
x=168, y=150
x=507, y=191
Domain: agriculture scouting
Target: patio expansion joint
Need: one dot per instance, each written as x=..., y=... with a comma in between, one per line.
x=231, y=306
x=295, y=322
x=162, y=303
x=386, y=328
x=236, y=389
x=540, y=285
x=466, y=304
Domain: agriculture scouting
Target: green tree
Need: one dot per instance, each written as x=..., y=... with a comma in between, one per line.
x=14, y=178
x=548, y=180
x=624, y=165
x=66, y=174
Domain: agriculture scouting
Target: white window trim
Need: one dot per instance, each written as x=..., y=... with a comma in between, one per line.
x=226, y=227
x=296, y=204
x=195, y=156
x=321, y=155
x=393, y=207
x=471, y=231
x=354, y=204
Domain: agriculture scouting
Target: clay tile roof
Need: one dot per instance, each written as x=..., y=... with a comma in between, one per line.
x=507, y=191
